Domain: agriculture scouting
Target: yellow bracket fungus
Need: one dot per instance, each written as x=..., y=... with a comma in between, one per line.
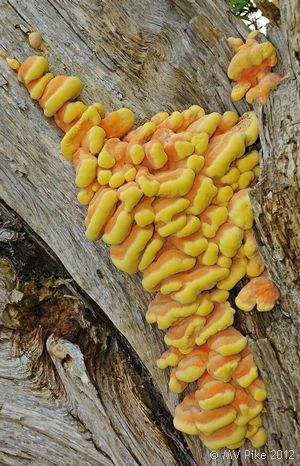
x=251, y=68
x=171, y=198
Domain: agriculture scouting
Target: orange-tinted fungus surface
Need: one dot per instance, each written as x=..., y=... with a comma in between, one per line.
x=171, y=198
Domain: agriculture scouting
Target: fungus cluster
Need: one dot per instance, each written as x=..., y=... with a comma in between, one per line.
x=251, y=68
x=171, y=198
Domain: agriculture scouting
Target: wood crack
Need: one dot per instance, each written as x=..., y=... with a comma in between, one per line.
x=168, y=79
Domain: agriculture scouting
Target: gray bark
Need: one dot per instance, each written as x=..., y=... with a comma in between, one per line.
x=88, y=368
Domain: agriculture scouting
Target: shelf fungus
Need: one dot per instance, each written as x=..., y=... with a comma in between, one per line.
x=171, y=198
x=251, y=68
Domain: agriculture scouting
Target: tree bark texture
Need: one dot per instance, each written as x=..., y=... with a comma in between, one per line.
x=78, y=379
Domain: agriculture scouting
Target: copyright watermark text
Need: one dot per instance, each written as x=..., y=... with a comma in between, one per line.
x=253, y=454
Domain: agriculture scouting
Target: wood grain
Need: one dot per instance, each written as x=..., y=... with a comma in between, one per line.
x=105, y=409
x=150, y=56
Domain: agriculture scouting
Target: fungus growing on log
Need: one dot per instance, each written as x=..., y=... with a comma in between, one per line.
x=260, y=292
x=251, y=68
x=36, y=41
x=171, y=197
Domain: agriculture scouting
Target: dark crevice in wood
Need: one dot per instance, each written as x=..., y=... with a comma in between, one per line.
x=25, y=250
x=174, y=55
x=57, y=306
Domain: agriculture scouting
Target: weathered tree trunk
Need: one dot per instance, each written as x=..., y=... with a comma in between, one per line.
x=78, y=379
